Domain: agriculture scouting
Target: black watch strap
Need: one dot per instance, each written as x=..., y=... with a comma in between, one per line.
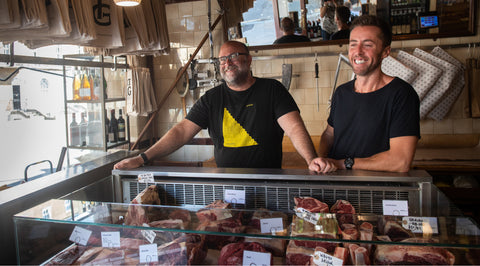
x=144, y=157
x=349, y=163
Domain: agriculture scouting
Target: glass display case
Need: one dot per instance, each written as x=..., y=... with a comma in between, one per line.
x=95, y=102
x=80, y=232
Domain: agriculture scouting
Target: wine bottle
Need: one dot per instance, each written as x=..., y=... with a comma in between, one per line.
x=74, y=132
x=113, y=128
x=83, y=130
x=93, y=95
x=85, y=88
x=97, y=86
x=121, y=126
x=76, y=85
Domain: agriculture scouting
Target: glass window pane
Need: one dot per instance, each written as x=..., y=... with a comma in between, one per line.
x=258, y=25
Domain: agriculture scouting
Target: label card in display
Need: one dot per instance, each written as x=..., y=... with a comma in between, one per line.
x=310, y=217
x=395, y=207
x=149, y=235
x=80, y=235
x=148, y=253
x=464, y=226
x=256, y=258
x=110, y=239
x=234, y=196
x=145, y=178
x=427, y=225
x=321, y=258
x=271, y=225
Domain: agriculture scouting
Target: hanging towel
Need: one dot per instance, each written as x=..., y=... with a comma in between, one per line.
x=441, y=110
x=140, y=96
x=427, y=73
x=395, y=68
x=443, y=84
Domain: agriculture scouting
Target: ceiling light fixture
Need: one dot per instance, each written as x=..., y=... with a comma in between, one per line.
x=127, y=2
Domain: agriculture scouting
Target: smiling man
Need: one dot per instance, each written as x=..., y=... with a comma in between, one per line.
x=246, y=118
x=374, y=121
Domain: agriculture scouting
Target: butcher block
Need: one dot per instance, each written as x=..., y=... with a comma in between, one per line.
x=202, y=216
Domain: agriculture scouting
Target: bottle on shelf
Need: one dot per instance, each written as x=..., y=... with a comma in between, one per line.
x=121, y=126
x=83, y=130
x=76, y=85
x=93, y=95
x=85, y=88
x=74, y=132
x=94, y=130
x=113, y=128
x=97, y=87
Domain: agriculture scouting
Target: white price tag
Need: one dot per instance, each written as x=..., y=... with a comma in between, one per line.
x=101, y=213
x=251, y=258
x=395, y=207
x=321, y=258
x=145, y=178
x=80, y=235
x=426, y=225
x=148, y=253
x=271, y=225
x=310, y=217
x=149, y=235
x=110, y=239
x=234, y=196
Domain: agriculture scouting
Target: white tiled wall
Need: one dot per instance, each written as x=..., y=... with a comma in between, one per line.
x=188, y=24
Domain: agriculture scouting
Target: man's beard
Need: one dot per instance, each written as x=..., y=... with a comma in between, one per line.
x=237, y=78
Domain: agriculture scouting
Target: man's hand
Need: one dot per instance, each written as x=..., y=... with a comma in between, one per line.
x=129, y=163
x=323, y=165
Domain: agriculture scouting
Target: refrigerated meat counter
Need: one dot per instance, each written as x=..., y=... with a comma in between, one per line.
x=184, y=228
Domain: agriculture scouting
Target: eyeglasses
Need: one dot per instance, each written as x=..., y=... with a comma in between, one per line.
x=233, y=57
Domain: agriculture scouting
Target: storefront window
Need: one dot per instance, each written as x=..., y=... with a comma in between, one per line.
x=258, y=25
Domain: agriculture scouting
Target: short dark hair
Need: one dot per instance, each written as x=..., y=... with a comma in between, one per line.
x=343, y=14
x=287, y=24
x=369, y=20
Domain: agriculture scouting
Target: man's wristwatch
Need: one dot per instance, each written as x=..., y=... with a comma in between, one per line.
x=349, y=163
x=144, y=157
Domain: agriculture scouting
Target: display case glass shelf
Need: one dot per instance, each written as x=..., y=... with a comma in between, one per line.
x=80, y=232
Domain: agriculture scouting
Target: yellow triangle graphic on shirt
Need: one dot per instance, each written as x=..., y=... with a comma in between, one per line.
x=234, y=135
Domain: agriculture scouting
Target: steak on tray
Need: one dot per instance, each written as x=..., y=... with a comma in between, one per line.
x=232, y=254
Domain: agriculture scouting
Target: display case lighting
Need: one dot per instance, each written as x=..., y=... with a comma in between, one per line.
x=127, y=2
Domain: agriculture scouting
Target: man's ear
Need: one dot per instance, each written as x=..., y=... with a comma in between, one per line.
x=386, y=51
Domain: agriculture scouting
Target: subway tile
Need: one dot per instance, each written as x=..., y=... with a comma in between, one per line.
x=185, y=9
x=263, y=67
x=200, y=8
x=302, y=50
x=190, y=24
x=410, y=43
x=311, y=95
x=298, y=95
x=187, y=39
x=462, y=126
x=205, y=152
x=305, y=81
x=476, y=125
x=171, y=11
x=429, y=42
x=426, y=126
x=449, y=41
x=191, y=153
x=316, y=128
x=443, y=127
x=176, y=25
x=306, y=111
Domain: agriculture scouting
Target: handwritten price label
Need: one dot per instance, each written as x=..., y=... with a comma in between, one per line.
x=421, y=224
x=395, y=207
x=146, y=178
x=110, y=239
x=271, y=225
x=234, y=196
x=80, y=235
x=149, y=235
x=321, y=258
x=148, y=253
x=251, y=258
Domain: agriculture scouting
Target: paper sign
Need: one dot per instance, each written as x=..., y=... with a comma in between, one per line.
x=271, y=225
x=110, y=239
x=256, y=258
x=148, y=253
x=307, y=216
x=80, y=235
x=145, y=178
x=234, y=196
x=427, y=225
x=149, y=235
x=321, y=258
x=395, y=207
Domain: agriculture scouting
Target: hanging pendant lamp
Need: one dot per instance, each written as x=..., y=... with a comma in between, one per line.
x=127, y=2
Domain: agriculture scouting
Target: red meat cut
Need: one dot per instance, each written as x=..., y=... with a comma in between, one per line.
x=311, y=204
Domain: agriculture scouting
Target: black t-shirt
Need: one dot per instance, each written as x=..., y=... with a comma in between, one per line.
x=243, y=125
x=291, y=38
x=340, y=35
x=363, y=123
